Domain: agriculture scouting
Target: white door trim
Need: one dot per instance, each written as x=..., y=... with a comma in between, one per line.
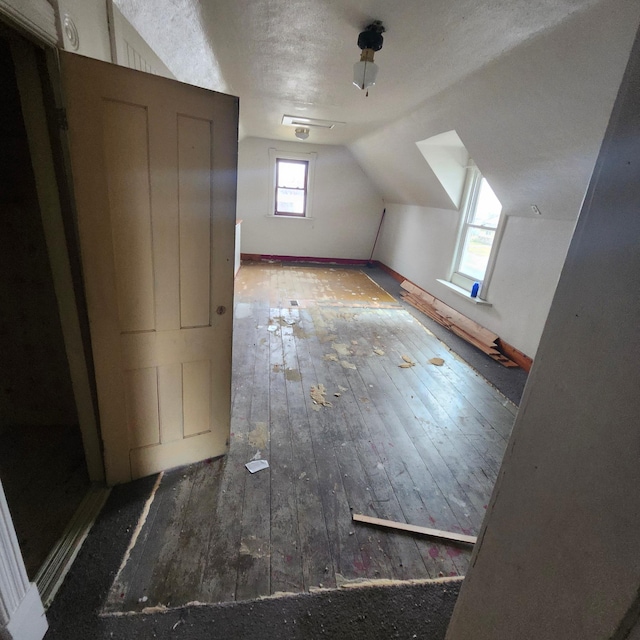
x=21, y=611
x=37, y=17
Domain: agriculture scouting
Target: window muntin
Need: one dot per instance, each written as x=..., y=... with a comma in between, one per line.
x=480, y=222
x=292, y=178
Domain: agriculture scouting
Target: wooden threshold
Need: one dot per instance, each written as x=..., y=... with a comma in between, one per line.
x=413, y=528
x=57, y=564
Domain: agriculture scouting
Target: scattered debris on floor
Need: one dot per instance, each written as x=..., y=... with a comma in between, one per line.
x=437, y=361
x=337, y=395
x=378, y=352
x=330, y=356
x=259, y=436
x=408, y=362
x=292, y=375
x=318, y=396
x=449, y=536
x=354, y=583
x=341, y=349
x=347, y=365
x=257, y=465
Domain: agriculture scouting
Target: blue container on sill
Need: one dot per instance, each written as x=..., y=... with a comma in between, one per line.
x=475, y=289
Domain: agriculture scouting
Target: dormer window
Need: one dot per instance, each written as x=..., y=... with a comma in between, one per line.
x=481, y=213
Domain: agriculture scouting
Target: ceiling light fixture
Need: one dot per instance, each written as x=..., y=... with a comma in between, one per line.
x=302, y=133
x=370, y=40
x=303, y=121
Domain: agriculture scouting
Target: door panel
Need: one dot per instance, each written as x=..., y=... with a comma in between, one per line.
x=154, y=168
x=194, y=197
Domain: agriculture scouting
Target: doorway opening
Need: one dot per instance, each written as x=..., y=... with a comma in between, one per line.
x=42, y=461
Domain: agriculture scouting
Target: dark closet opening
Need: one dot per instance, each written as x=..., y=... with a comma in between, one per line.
x=42, y=462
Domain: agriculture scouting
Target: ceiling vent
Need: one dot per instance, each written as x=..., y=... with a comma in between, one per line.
x=300, y=121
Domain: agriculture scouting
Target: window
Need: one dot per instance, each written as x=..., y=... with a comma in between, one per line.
x=291, y=187
x=478, y=229
x=292, y=179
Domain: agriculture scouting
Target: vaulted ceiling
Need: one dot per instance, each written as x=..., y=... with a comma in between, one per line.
x=296, y=56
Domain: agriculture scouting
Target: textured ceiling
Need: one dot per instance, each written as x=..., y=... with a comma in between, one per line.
x=296, y=56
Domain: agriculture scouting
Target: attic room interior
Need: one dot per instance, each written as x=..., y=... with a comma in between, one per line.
x=254, y=312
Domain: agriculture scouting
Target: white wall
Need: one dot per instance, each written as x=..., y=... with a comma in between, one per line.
x=418, y=242
x=132, y=50
x=346, y=206
x=90, y=19
x=557, y=555
x=533, y=122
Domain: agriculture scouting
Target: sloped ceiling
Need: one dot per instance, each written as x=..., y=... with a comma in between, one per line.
x=296, y=56
x=528, y=84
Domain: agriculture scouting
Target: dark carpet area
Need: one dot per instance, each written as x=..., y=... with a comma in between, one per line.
x=375, y=613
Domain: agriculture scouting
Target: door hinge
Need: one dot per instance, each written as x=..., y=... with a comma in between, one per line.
x=61, y=119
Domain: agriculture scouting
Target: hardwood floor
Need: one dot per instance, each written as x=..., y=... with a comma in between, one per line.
x=419, y=444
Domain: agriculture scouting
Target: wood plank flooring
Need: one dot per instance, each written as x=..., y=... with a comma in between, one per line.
x=420, y=445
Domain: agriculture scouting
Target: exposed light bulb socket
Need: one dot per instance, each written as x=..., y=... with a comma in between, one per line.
x=367, y=55
x=371, y=37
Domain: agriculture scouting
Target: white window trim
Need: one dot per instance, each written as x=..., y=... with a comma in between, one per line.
x=464, y=293
x=460, y=281
x=275, y=154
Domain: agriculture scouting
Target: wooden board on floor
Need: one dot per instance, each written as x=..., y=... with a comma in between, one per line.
x=412, y=528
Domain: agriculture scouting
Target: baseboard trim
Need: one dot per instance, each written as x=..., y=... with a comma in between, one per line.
x=521, y=359
x=57, y=564
x=394, y=274
x=261, y=257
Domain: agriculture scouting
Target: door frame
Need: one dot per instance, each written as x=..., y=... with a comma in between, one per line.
x=36, y=18
x=47, y=188
x=22, y=615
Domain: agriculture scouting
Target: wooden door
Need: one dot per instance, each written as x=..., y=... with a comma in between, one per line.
x=154, y=167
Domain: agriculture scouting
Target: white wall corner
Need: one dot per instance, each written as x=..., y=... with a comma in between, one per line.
x=21, y=612
x=28, y=621
x=448, y=159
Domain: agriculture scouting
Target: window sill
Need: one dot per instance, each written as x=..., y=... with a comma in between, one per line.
x=463, y=293
x=271, y=215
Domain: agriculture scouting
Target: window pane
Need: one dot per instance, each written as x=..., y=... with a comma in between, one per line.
x=292, y=174
x=488, y=207
x=290, y=201
x=475, y=252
